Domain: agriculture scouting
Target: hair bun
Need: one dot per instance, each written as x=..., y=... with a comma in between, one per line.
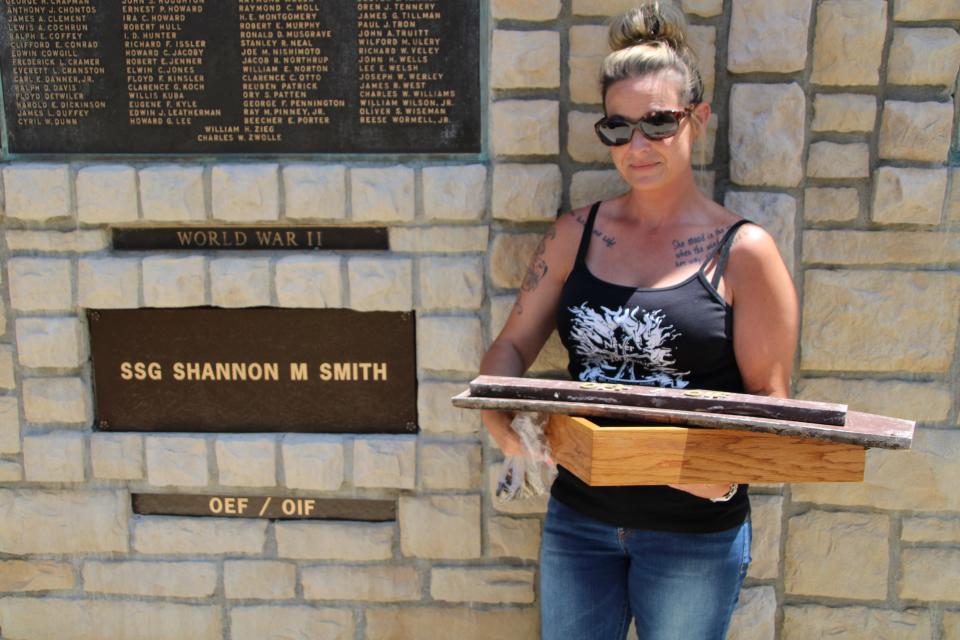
x=658, y=21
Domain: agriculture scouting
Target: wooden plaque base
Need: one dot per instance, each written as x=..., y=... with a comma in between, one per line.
x=652, y=455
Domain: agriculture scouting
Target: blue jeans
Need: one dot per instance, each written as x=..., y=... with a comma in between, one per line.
x=678, y=586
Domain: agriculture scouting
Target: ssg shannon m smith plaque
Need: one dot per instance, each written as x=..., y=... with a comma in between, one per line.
x=262, y=369
x=251, y=76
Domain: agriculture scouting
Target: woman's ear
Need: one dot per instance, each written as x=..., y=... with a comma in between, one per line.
x=702, y=113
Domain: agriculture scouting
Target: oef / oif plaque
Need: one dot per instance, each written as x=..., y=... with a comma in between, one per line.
x=262, y=369
x=251, y=76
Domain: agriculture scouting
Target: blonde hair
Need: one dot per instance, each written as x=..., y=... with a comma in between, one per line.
x=652, y=38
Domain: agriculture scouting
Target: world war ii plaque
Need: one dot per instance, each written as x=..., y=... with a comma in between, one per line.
x=260, y=369
x=250, y=76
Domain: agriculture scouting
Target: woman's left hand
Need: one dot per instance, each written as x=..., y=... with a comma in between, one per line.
x=705, y=491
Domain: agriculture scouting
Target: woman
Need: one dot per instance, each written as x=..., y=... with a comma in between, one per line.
x=658, y=286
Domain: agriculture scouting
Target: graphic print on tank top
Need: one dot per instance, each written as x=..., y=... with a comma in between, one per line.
x=629, y=345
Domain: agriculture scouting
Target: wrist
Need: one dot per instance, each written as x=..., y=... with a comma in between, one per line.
x=732, y=491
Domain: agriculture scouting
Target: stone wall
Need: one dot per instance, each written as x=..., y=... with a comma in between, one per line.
x=834, y=127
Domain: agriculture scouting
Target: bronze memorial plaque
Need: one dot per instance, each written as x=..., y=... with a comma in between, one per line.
x=246, y=76
x=268, y=507
x=260, y=369
x=289, y=238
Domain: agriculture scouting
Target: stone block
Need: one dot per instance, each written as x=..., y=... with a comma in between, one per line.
x=839, y=161
x=246, y=461
x=951, y=625
x=58, y=522
x=108, y=283
x=924, y=529
x=766, y=134
x=439, y=239
x=46, y=618
x=474, y=584
x=174, y=282
x=705, y=8
x=880, y=247
x=314, y=191
x=856, y=320
x=582, y=142
x=513, y=537
x=380, y=284
x=924, y=57
x=844, y=112
x=526, y=192
x=923, y=10
x=107, y=193
x=7, y=378
x=448, y=343
x=170, y=535
x=953, y=197
x=116, y=456
x=373, y=584
x=308, y=281
x=454, y=193
x=919, y=401
x=766, y=515
x=840, y=555
x=450, y=466
x=587, y=187
x=929, y=575
x=177, y=461
x=245, y=192
x=703, y=40
x=35, y=575
x=510, y=254
x=768, y=36
x=437, y=415
x=257, y=623
x=848, y=45
x=423, y=623
x=259, y=580
x=601, y=7
x=383, y=194
x=775, y=212
x=49, y=342
x=312, y=462
x=801, y=622
x=525, y=127
x=588, y=48
x=40, y=284
x=154, y=579
x=825, y=204
x=84, y=241
x=53, y=457
x=525, y=59
x=240, y=282
x=56, y=400
x=908, y=196
x=11, y=471
x=930, y=465
x=448, y=283
x=445, y=527
x=916, y=130
x=172, y=193
x=755, y=615
x=525, y=10
x=385, y=462
x=36, y=192
x=328, y=540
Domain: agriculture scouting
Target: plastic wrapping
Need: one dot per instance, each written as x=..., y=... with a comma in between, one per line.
x=531, y=474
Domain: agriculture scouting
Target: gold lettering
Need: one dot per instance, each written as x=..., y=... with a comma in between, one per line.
x=380, y=371
x=298, y=371
x=325, y=373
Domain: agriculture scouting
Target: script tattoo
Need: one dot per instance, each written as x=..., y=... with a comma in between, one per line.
x=538, y=266
x=697, y=248
x=607, y=240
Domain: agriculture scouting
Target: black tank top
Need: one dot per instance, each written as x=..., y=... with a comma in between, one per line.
x=680, y=336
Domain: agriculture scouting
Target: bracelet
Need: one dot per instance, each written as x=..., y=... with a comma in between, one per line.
x=732, y=491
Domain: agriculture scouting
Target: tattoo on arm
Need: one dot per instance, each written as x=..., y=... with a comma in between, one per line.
x=538, y=266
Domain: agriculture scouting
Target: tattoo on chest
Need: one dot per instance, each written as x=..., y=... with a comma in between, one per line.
x=607, y=240
x=538, y=266
x=697, y=248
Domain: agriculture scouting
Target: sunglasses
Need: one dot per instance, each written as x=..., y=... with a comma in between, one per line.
x=614, y=131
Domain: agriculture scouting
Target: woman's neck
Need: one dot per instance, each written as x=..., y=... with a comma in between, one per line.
x=680, y=202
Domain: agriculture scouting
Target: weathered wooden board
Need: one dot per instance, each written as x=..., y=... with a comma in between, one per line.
x=863, y=429
x=656, y=455
x=741, y=404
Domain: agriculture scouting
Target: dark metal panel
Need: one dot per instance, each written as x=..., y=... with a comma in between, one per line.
x=269, y=507
x=273, y=238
